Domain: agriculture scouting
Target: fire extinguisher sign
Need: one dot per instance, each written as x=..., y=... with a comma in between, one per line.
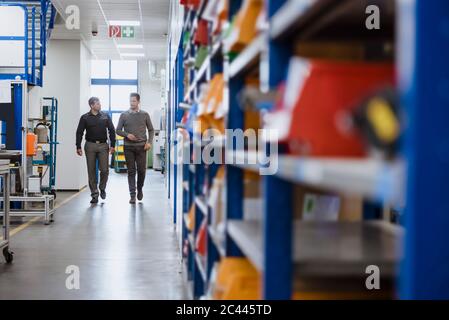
x=115, y=32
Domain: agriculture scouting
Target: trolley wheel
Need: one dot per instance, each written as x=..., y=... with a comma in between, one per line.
x=9, y=256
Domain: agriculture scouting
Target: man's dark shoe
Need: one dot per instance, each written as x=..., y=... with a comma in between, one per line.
x=132, y=200
x=103, y=194
x=94, y=200
x=139, y=194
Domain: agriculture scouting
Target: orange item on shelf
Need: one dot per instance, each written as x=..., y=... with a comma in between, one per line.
x=237, y=279
x=318, y=122
x=245, y=25
x=202, y=124
x=223, y=12
x=211, y=92
x=31, y=146
x=214, y=103
x=191, y=217
x=212, y=100
x=252, y=117
x=216, y=11
x=201, y=238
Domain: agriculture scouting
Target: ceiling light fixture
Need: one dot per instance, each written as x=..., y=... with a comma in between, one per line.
x=133, y=23
x=132, y=54
x=130, y=46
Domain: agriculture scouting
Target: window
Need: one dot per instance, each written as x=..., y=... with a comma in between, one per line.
x=102, y=93
x=124, y=69
x=120, y=97
x=115, y=118
x=112, y=82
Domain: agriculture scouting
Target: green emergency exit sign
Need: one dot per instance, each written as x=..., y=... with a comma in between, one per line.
x=128, y=32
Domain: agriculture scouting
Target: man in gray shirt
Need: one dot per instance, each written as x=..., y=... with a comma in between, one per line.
x=133, y=125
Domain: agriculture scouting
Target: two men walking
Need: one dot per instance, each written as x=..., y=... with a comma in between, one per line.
x=133, y=125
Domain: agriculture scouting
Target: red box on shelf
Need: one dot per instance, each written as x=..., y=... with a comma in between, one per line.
x=327, y=94
x=201, y=36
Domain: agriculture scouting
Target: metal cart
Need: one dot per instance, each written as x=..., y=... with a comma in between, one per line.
x=4, y=243
x=49, y=119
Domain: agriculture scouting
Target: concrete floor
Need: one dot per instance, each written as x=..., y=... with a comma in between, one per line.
x=18, y=222
x=122, y=251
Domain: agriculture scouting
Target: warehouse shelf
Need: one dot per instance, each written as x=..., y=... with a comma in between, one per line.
x=248, y=57
x=198, y=13
x=216, y=49
x=186, y=219
x=324, y=19
x=191, y=240
x=217, y=241
x=248, y=236
x=189, y=92
x=215, y=142
x=188, y=20
x=202, y=204
x=187, y=50
x=333, y=249
x=198, y=76
x=371, y=178
x=201, y=264
x=328, y=248
x=185, y=106
x=202, y=71
x=294, y=14
x=180, y=125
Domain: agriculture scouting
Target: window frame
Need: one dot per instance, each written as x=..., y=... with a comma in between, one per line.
x=110, y=82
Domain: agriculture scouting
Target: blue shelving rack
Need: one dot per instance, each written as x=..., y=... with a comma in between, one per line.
x=424, y=272
x=39, y=23
x=50, y=109
x=193, y=175
x=424, y=81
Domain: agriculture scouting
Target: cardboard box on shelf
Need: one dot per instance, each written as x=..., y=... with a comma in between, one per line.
x=350, y=207
x=237, y=279
x=216, y=199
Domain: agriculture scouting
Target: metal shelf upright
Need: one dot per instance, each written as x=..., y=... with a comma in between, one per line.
x=6, y=185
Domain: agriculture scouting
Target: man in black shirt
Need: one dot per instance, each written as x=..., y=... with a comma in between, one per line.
x=96, y=124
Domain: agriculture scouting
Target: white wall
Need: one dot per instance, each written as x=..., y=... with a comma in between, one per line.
x=175, y=27
x=66, y=77
x=85, y=94
x=150, y=93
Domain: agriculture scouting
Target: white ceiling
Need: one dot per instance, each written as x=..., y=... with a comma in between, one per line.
x=152, y=14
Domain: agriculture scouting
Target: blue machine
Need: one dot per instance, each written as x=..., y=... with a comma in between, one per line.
x=25, y=27
x=24, y=70
x=39, y=16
